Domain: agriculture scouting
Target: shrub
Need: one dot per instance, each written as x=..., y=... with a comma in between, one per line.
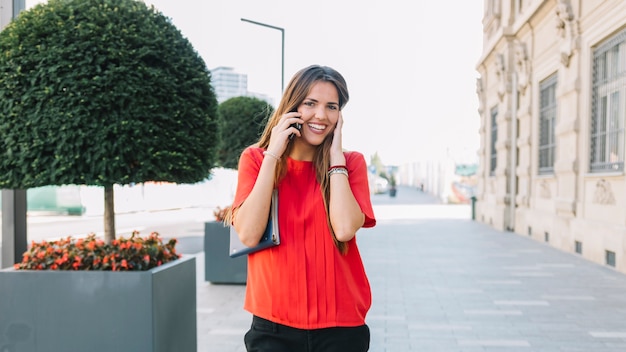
x=242, y=120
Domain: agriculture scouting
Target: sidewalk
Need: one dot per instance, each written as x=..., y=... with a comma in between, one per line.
x=441, y=282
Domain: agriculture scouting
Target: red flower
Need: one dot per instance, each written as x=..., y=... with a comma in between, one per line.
x=91, y=253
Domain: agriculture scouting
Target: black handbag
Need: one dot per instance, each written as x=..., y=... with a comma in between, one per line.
x=271, y=236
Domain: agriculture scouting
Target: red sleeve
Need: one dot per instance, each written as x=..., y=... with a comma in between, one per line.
x=247, y=173
x=359, y=183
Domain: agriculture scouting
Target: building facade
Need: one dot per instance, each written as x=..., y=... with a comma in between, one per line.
x=228, y=83
x=552, y=105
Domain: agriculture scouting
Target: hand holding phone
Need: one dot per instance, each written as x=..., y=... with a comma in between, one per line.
x=296, y=125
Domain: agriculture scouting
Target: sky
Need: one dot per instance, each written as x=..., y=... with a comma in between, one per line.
x=410, y=65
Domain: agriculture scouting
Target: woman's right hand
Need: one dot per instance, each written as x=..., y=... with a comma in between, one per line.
x=281, y=132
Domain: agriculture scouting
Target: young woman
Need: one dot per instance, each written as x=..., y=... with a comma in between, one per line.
x=311, y=292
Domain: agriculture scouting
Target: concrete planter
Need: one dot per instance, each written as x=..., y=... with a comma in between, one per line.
x=99, y=311
x=219, y=267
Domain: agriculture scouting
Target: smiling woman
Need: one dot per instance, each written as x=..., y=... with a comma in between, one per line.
x=323, y=200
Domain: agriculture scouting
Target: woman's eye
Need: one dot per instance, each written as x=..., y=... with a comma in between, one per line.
x=332, y=107
x=308, y=103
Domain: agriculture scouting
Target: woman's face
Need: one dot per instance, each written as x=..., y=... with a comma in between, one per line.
x=320, y=112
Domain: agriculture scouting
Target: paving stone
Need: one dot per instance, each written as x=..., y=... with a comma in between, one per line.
x=444, y=283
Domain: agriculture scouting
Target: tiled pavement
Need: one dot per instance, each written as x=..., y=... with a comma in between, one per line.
x=441, y=282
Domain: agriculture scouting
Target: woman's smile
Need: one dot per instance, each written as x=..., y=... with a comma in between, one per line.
x=316, y=128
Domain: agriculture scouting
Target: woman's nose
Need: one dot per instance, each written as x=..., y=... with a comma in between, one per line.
x=320, y=114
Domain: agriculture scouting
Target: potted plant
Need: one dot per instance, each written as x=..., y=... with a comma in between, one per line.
x=219, y=267
x=135, y=294
x=102, y=93
x=392, y=186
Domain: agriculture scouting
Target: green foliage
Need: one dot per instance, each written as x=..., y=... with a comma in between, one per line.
x=392, y=180
x=102, y=92
x=242, y=120
x=125, y=254
x=378, y=164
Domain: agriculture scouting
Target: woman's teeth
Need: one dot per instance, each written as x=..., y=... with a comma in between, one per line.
x=317, y=127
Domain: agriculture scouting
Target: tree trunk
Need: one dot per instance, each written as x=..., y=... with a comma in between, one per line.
x=109, y=215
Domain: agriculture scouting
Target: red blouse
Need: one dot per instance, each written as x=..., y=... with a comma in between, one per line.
x=305, y=282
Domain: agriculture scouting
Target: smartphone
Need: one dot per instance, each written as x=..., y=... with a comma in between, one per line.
x=296, y=125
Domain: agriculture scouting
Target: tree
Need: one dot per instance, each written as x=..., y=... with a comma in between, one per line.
x=242, y=120
x=102, y=92
x=378, y=164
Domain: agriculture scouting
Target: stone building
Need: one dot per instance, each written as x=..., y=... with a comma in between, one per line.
x=552, y=105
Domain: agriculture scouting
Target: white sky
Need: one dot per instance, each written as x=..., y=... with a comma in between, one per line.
x=410, y=65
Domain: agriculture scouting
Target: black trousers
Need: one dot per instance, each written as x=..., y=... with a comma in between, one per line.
x=266, y=336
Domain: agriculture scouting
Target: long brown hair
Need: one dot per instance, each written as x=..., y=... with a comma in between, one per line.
x=295, y=93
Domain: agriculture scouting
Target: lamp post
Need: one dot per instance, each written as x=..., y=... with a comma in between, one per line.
x=282, y=64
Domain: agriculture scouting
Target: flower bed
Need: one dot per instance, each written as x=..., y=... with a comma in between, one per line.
x=124, y=254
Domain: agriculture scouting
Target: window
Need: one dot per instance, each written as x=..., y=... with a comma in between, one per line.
x=494, y=139
x=578, y=247
x=609, y=258
x=547, y=121
x=608, y=106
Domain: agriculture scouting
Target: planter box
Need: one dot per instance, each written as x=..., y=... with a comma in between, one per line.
x=219, y=267
x=77, y=311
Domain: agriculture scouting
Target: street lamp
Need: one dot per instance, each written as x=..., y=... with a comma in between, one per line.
x=282, y=67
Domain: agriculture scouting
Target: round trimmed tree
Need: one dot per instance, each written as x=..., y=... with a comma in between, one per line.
x=242, y=120
x=102, y=92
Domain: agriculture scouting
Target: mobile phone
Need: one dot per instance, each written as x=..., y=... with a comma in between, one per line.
x=296, y=125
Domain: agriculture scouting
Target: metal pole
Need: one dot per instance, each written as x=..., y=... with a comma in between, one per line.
x=13, y=226
x=282, y=64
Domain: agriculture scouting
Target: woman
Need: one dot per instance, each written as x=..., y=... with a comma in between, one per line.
x=311, y=292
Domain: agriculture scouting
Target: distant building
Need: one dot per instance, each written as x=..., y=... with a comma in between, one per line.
x=229, y=84
x=551, y=104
